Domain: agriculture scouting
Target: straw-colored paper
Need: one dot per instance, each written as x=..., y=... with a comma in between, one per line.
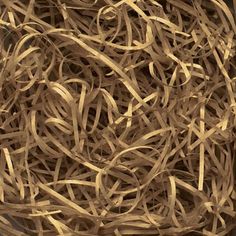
x=117, y=117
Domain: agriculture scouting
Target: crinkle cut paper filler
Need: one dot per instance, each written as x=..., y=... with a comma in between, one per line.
x=117, y=117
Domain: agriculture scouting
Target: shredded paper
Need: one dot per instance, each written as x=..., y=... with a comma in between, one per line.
x=117, y=117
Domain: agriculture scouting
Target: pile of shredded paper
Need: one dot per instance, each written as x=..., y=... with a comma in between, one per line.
x=117, y=117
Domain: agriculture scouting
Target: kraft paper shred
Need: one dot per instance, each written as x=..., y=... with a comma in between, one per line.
x=117, y=117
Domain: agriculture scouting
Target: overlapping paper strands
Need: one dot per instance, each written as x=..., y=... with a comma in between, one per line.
x=117, y=117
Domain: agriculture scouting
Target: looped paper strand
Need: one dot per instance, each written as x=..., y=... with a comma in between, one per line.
x=117, y=117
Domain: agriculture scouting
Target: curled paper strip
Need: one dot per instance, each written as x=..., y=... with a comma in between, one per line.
x=117, y=117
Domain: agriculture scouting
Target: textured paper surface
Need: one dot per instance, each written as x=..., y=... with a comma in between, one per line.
x=117, y=117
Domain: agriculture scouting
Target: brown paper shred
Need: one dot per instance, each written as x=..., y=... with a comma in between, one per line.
x=117, y=117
